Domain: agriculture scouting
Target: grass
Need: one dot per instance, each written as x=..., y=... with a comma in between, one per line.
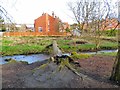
x=80, y=56
x=87, y=46
x=7, y=42
x=109, y=54
x=29, y=45
x=109, y=45
x=12, y=61
x=22, y=45
x=21, y=49
x=104, y=44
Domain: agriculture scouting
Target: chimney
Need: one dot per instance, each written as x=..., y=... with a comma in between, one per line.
x=53, y=14
x=43, y=13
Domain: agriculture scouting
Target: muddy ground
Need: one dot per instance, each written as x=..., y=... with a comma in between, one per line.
x=95, y=73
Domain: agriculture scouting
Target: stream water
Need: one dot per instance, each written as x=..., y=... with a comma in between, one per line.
x=40, y=57
x=102, y=51
x=29, y=58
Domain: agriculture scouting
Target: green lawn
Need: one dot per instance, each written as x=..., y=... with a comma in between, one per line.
x=28, y=45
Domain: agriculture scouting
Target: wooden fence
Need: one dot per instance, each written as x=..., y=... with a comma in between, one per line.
x=35, y=34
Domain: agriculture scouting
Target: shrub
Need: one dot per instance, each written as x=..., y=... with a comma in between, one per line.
x=110, y=32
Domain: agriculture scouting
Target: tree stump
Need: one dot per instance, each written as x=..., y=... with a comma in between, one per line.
x=58, y=56
x=56, y=50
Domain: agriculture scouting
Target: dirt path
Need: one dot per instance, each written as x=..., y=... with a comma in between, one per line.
x=96, y=68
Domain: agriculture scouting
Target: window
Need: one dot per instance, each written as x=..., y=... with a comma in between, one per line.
x=48, y=30
x=40, y=29
x=110, y=24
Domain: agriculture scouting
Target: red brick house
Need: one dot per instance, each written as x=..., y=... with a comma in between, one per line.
x=109, y=24
x=105, y=24
x=45, y=25
x=49, y=24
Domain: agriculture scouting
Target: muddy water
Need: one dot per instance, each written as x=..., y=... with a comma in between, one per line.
x=29, y=58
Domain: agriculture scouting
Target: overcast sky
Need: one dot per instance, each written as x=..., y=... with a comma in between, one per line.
x=26, y=11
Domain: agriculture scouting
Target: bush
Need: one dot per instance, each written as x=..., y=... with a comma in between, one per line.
x=3, y=29
x=67, y=30
x=110, y=32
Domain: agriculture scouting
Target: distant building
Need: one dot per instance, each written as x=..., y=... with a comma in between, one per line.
x=109, y=24
x=105, y=24
x=30, y=27
x=76, y=32
x=49, y=24
x=66, y=25
x=24, y=27
x=45, y=25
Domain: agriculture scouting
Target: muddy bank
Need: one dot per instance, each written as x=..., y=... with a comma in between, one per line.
x=12, y=73
x=19, y=75
x=98, y=67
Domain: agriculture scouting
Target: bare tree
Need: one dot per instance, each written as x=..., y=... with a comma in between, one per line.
x=94, y=15
x=82, y=10
x=102, y=11
x=1, y=23
x=4, y=13
x=115, y=75
x=89, y=16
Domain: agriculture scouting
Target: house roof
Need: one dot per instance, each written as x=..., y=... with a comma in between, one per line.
x=45, y=14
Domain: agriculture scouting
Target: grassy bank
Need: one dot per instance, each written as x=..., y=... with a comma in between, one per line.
x=109, y=54
x=29, y=45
